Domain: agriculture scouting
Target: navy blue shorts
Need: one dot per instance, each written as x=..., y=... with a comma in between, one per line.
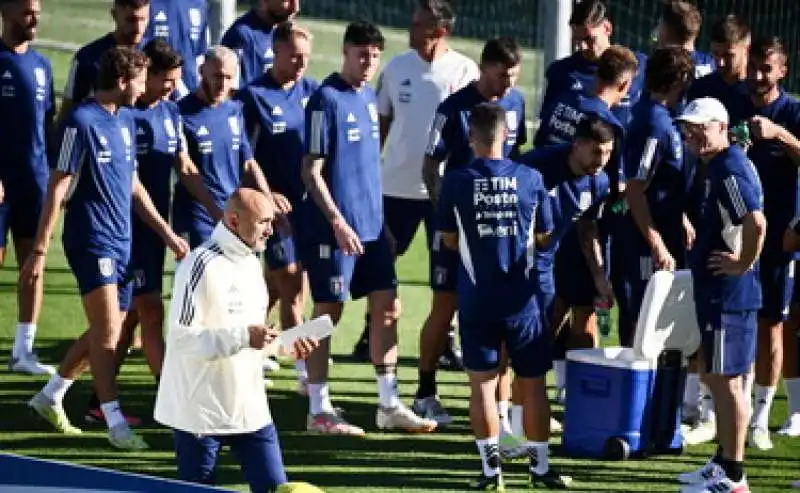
x=574, y=282
x=258, y=453
x=530, y=346
x=403, y=217
x=148, y=252
x=333, y=276
x=729, y=340
x=281, y=251
x=93, y=271
x=20, y=212
x=777, y=285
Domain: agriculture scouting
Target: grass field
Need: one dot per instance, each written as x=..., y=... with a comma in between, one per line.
x=444, y=461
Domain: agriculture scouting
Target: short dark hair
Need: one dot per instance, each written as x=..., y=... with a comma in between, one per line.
x=501, y=50
x=484, y=120
x=162, y=56
x=442, y=12
x=117, y=63
x=363, y=33
x=764, y=47
x=134, y=4
x=731, y=29
x=286, y=32
x=615, y=62
x=683, y=20
x=589, y=13
x=595, y=128
x=667, y=68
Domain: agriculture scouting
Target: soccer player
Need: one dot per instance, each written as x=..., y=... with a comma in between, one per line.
x=580, y=277
x=679, y=25
x=500, y=66
x=217, y=145
x=28, y=101
x=345, y=249
x=251, y=36
x=591, y=33
x=409, y=90
x=494, y=213
x=130, y=22
x=775, y=151
x=656, y=233
x=791, y=346
x=95, y=176
x=274, y=115
x=184, y=25
x=727, y=291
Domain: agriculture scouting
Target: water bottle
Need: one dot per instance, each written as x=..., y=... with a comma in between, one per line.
x=602, y=308
x=740, y=134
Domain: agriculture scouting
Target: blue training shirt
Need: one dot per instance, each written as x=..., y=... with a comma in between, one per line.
x=732, y=190
x=218, y=146
x=97, y=149
x=26, y=99
x=449, y=135
x=342, y=126
x=251, y=38
x=735, y=98
x=275, y=121
x=496, y=206
x=571, y=196
x=184, y=25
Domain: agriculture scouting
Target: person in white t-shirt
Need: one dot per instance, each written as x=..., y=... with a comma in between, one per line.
x=410, y=89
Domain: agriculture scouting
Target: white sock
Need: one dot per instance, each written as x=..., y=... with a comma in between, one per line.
x=502, y=408
x=300, y=368
x=539, y=453
x=707, y=412
x=764, y=397
x=505, y=418
x=691, y=395
x=387, y=390
x=748, y=380
x=56, y=388
x=560, y=369
x=319, y=399
x=792, y=395
x=113, y=414
x=516, y=421
x=490, y=455
x=23, y=340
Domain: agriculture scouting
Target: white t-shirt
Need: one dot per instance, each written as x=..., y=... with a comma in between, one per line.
x=409, y=91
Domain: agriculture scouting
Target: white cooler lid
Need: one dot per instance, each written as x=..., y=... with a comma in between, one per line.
x=667, y=319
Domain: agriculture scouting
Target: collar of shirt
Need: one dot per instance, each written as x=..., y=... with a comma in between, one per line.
x=231, y=245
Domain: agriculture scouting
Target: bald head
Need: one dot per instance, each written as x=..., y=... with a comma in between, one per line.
x=249, y=214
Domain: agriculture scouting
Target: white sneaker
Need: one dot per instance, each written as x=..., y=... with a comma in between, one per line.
x=53, y=413
x=511, y=447
x=710, y=470
x=402, y=418
x=791, y=428
x=431, y=408
x=30, y=364
x=758, y=438
x=122, y=437
x=271, y=365
x=555, y=426
x=702, y=432
x=720, y=484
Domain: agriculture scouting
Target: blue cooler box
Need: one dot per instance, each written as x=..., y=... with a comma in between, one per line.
x=626, y=401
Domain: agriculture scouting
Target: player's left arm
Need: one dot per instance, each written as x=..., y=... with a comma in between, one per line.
x=764, y=128
x=449, y=223
x=147, y=212
x=522, y=134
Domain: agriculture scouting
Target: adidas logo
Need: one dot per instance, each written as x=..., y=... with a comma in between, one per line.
x=277, y=111
x=577, y=86
x=140, y=131
x=7, y=75
x=202, y=132
x=351, y=118
x=160, y=17
x=406, y=83
x=269, y=53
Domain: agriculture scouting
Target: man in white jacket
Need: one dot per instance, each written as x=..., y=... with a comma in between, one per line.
x=212, y=390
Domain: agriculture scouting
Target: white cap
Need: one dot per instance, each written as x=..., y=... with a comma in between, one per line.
x=704, y=110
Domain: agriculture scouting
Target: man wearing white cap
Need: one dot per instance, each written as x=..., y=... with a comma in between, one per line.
x=727, y=289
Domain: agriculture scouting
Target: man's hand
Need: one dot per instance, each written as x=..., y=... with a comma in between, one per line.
x=726, y=264
x=763, y=128
x=33, y=269
x=304, y=347
x=282, y=204
x=2, y=193
x=178, y=245
x=662, y=259
x=689, y=233
x=347, y=239
x=261, y=335
x=604, y=289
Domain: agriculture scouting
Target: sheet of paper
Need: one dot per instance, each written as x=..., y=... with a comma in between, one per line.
x=317, y=329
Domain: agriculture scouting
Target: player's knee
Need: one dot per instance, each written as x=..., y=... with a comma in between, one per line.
x=388, y=305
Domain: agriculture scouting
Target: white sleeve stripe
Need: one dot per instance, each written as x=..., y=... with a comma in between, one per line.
x=436, y=133
x=646, y=162
x=317, y=127
x=463, y=249
x=67, y=148
x=735, y=195
x=69, y=88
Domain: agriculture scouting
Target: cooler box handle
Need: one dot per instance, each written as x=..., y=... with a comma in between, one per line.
x=595, y=386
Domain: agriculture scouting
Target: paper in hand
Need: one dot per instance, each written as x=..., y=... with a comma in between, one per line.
x=316, y=329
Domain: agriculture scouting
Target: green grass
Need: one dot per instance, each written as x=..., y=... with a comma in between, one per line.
x=382, y=462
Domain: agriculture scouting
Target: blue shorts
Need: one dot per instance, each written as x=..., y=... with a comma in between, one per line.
x=777, y=285
x=281, y=251
x=403, y=216
x=729, y=340
x=148, y=252
x=93, y=271
x=333, y=276
x=574, y=282
x=530, y=347
x=258, y=453
x=20, y=212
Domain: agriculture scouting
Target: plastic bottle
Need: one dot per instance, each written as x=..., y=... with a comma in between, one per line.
x=740, y=134
x=602, y=308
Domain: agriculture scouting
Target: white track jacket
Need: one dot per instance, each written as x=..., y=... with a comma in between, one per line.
x=212, y=382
